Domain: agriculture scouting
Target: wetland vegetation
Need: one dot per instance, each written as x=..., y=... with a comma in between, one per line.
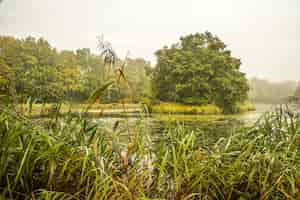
x=75, y=158
x=67, y=156
x=89, y=125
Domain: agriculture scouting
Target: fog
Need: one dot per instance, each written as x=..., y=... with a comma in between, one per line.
x=264, y=34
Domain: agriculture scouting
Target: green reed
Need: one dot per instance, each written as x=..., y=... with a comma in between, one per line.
x=72, y=157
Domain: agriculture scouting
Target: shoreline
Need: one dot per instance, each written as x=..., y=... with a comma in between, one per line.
x=131, y=110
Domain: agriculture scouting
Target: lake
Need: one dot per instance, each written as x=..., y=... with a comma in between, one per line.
x=207, y=125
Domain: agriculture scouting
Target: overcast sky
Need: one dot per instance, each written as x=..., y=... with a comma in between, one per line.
x=265, y=34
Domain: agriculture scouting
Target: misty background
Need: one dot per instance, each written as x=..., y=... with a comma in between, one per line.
x=264, y=34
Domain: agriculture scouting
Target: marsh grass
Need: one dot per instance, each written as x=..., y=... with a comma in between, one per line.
x=185, y=109
x=74, y=158
x=165, y=108
x=209, y=109
x=245, y=107
x=42, y=109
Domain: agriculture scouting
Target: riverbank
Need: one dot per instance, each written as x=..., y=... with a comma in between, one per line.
x=123, y=110
x=94, y=111
x=209, y=109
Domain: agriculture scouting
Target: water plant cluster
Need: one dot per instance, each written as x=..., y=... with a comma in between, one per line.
x=74, y=158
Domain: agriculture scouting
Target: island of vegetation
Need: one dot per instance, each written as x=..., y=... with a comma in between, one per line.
x=199, y=70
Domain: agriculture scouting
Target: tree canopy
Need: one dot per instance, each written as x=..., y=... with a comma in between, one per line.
x=33, y=68
x=199, y=69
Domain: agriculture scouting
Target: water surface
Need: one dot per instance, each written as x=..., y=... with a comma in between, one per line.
x=209, y=125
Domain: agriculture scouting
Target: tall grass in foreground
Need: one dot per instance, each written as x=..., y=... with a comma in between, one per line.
x=73, y=158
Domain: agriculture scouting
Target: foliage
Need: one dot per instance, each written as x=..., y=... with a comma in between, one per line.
x=74, y=158
x=185, y=109
x=173, y=108
x=40, y=71
x=199, y=70
x=247, y=106
x=138, y=78
x=4, y=78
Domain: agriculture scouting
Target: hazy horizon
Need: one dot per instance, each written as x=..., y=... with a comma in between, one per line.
x=264, y=34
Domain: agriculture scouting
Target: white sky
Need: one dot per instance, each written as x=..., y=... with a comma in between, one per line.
x=265, y=34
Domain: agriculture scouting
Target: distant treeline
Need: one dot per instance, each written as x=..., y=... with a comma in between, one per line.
x=263, y=91
x=32, y=67
x=197, y=70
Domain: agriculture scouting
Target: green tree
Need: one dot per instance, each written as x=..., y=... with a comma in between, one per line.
x=38, y=70
x=199, y=70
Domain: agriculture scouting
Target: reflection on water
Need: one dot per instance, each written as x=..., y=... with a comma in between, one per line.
x=208, y=125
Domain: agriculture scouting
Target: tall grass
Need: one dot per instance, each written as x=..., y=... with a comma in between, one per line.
x=74, y=158
x=197, y=109
x=185, y=109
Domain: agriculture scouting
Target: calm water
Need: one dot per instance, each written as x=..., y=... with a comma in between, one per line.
x=207, y=124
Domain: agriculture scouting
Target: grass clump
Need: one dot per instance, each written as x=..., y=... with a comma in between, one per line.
x=37, y=108
x=74, y=158
x=210, y=109
x=246, y=107
x=185, y=109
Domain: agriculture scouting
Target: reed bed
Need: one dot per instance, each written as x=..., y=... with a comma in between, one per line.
x=40, y=109
x=185, y=109
x=209, y=109
x=73, y=158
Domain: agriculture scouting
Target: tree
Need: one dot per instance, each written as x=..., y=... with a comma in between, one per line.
x=199, y=70
x=40, y=71
x=297, y=93
x=263, y=91
x=135, y=72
